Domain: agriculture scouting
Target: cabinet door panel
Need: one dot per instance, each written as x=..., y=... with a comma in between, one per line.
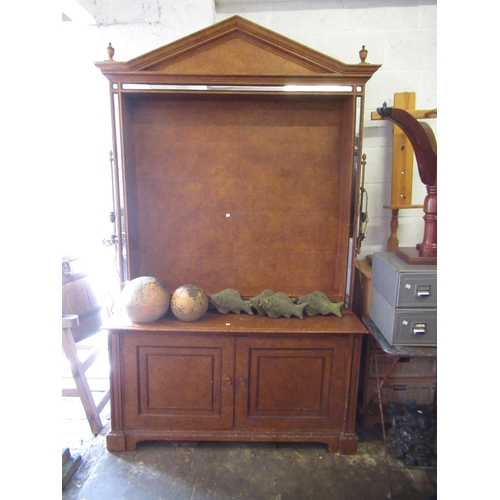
x=291, y=384
x=179, y=380
x=289, y=381
x=182, y=382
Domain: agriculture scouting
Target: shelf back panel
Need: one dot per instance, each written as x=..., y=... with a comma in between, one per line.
x=240, y=192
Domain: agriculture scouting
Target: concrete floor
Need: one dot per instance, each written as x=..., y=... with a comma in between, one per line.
x=246, y=471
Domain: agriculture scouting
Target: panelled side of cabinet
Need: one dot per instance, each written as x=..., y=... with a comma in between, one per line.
x=115, y=439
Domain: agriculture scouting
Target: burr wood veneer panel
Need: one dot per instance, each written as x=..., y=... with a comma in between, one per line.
x=239, y=192
x=292, y=383
x=178, y=383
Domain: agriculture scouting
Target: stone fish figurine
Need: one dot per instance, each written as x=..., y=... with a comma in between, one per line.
x=255, y=301
x=280, y=304
x=229, y=300
x=318, y=303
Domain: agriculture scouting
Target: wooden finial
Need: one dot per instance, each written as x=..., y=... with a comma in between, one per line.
x=111, y=51
x=362, y=55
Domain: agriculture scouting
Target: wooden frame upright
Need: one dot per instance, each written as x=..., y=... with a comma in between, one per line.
x=236, y=159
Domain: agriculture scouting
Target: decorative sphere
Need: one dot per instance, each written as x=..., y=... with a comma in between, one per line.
x=145, y=299
x=189, y=303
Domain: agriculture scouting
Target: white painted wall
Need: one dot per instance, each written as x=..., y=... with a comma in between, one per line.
x=400, y=35
x=403, y=40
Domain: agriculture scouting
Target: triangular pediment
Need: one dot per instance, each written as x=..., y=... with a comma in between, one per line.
x=235, y=56
x=236, y=46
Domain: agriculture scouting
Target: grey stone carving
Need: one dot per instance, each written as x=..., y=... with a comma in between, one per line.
x=255, y=301
x=318, y=303
x=229, y=300
x=280, y=304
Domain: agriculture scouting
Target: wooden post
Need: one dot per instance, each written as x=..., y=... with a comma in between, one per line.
x=393, y=242
x=402, y=156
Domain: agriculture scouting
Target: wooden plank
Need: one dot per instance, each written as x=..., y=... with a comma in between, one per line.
x=419, y=114
x=402, y=156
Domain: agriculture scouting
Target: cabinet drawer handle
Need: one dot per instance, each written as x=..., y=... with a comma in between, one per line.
x=419, y=328
x=423, y=291
x=228, y=380
x=400, y=388
x=242, y=381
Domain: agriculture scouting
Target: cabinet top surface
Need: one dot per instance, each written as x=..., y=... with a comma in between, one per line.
x=217, y=323
x=400, y=266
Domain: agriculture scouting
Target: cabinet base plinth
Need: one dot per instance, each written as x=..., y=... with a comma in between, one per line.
x=337, y=443
x=115, y=441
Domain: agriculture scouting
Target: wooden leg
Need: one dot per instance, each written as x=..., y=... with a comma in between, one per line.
x=393, y=242
x=349, y=444
x=428, y=247
x=82, y=386
x=333, y=444
x=115, y=441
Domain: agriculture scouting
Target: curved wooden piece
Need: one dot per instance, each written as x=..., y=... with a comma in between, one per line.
x=424, y=144
x=422, y=139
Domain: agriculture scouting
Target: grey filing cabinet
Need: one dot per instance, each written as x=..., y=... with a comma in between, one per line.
x=403, y=300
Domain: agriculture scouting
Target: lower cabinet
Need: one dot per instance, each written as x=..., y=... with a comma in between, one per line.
x=212, y=387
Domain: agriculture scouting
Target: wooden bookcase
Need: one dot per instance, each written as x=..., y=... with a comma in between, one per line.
x=236, y=153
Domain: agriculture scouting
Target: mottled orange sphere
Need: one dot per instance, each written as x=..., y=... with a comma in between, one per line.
x=145, y=299
x=189, y=303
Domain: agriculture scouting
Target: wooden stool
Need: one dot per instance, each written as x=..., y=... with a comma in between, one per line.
x=81, y=319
